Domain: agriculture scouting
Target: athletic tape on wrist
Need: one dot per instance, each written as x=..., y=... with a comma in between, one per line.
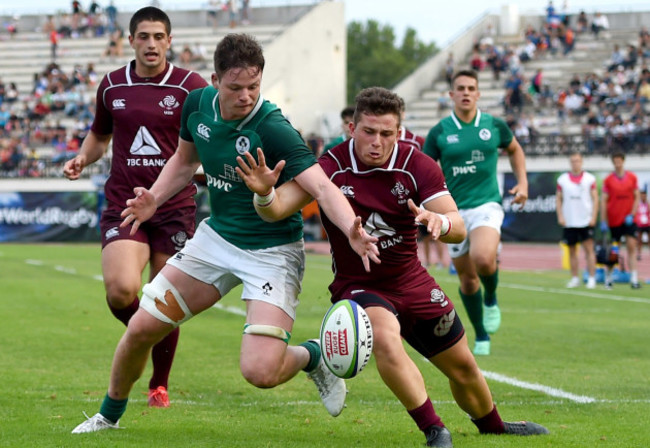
x=264, y=201
x=445, y=227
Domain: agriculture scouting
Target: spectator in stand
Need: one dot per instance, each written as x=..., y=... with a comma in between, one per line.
x=642, y=220
x=4, y=117
x=115, y=46
x=200, y=53
x=565, y=18
x=93, y=10
x=185, y=58
x=644, y=40
x=54, y=44
x=617, y=57
x=65, y=25
x=495, y=61
x=567, y=36
x=214, y=10
x=12, y=27
x=449, y=68
x=619, y=204
x=233, y=12
x=528, y=52
x=550, y=12
x=90, y=75
x=514, y=98
x=49, y=25
x=599, y=24
x=245, y=12
x=111, y=15
x=537, y=82
x=582, y=23
x=521, y=132
x=577, y=213
x=631, y=57
x=574, y=103
x=643, y=92
x=476, y=61
x=76, y=18
x=487, y=38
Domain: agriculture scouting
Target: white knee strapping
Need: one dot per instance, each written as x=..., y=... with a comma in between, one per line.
x=163, y=301
x=268, y=330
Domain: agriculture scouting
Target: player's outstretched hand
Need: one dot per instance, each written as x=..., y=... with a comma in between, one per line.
x=432, y=221
x=363, y=244
x=139, y=209
x=73, y=167
x=258, y=177
x=520, y=192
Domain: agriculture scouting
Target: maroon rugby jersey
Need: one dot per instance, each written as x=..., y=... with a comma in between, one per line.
x=409, y=137
x=379, y=196
x=144, y=115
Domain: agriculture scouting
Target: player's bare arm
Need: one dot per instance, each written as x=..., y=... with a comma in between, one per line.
x=260, y=179
x=339, y=211
x=92, y=149
x=175, y=175
x=595, y=202
x=292, y=196
x=518, y=164
x=441, y=218
x=558, y=208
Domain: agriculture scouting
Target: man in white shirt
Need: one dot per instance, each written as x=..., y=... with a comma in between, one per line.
x=577, y=212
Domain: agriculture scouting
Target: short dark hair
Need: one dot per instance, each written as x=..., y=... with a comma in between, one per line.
x=618, y=154
x=377, y=101
x=347, y=112
x=468, y=73
x=150, y=14
x=237, y=51
x=402, y=104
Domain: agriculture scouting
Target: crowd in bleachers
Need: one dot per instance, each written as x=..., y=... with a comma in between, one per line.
x=34, y=120
x=609, y=105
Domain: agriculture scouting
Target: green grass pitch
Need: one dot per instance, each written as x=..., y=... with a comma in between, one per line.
x=576, y=361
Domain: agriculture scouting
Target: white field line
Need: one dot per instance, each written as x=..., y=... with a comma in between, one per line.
x=573, y=292
x=230, y=309
x=552, y=391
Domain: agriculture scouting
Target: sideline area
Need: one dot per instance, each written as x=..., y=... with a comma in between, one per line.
x=521, y=257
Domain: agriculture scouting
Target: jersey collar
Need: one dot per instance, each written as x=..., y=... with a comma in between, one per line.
x=477, y=119
x=129, y=81
x=246, y=120
x=355, y=164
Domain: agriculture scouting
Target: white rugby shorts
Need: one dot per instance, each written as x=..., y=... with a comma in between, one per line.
x=489, y=214
x=272, y=275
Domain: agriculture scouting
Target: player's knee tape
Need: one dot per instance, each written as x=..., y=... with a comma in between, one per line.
x=268, y=330
x=163, y=301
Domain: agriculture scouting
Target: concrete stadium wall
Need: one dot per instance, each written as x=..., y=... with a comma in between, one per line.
x=306, y=68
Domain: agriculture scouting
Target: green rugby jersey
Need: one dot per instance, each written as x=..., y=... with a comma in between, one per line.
x=219, y=142
x=468, y=154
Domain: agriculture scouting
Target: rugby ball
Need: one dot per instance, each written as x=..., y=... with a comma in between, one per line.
x=346, y=338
